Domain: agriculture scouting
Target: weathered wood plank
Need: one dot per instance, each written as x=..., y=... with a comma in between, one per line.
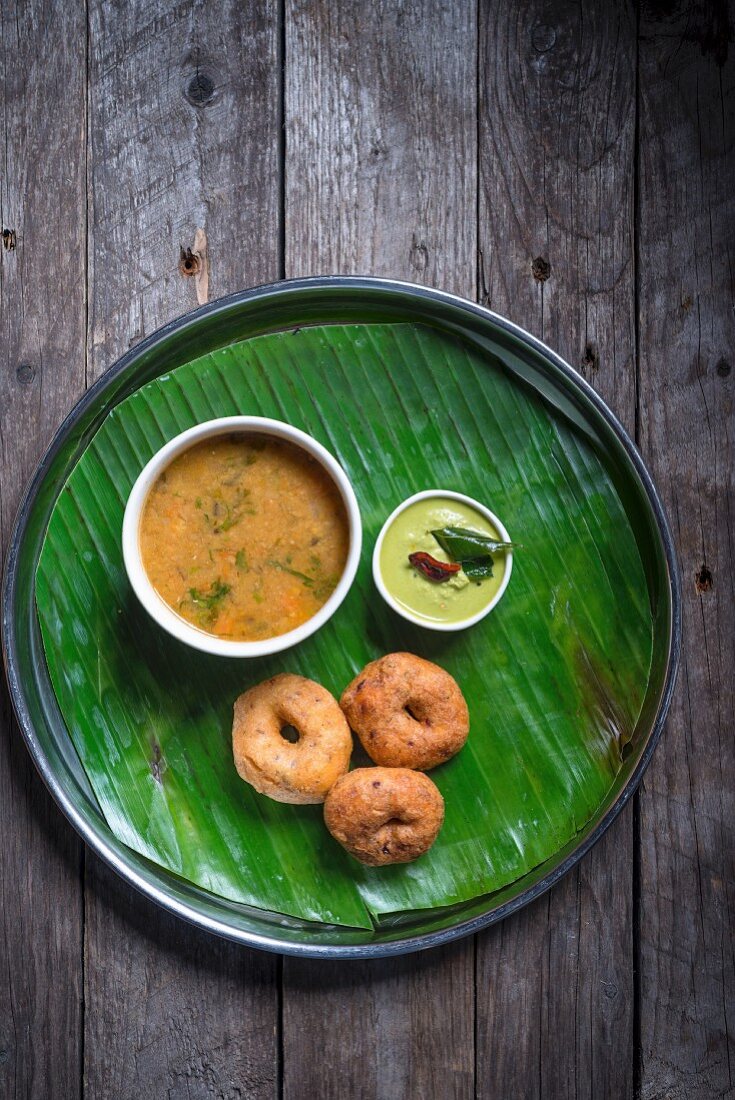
x=557, y=118
x=386, y=1028
x=184, y=136
x=42, y=291
x=172, y=1011
x=380, y=179
x=555, y=986
x=381, y=140
x=687, y=343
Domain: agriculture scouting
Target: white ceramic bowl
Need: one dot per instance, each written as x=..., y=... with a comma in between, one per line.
x=399, y=608
x=155, y=605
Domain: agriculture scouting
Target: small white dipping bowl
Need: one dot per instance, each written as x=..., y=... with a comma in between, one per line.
x=399, y=608
x=159, y=610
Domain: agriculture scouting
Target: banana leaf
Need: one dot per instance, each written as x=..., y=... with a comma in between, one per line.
x=554, y=676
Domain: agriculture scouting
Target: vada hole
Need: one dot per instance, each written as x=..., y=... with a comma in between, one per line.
x=393, y=821
x=411, y=714
x=290, y=734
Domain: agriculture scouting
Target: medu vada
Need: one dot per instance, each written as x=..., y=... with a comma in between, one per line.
x=407, y=712
x=300, y=771
x=384, y=815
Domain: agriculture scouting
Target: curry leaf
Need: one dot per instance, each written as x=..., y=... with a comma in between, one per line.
x=464, y=544
x=478, y=569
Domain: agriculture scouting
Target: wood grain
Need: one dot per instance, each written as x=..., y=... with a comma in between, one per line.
x=381, y=140
x=687, y=344
x=183, y=136
x=557, y=121
x=172, y=1011
x=384, y=1028
x=42, y=294
x=380, y=179
x=555, y=997
x=168, y=114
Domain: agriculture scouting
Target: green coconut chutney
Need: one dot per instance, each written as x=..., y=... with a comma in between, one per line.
x=449, y=601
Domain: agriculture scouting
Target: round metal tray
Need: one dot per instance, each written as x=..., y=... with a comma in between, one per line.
x=268, y=309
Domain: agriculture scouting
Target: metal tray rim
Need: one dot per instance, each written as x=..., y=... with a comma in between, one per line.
x=95, y=836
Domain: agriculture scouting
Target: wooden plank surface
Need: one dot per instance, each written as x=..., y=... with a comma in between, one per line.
x=168, y=117
x=555, y=1000
x=42, y=295
x=381, y=140
x=184, y=133
x=380, y=179
x=183, y=136
x=687, y=356
x=172, y=1011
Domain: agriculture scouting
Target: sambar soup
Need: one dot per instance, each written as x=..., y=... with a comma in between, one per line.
x=245, y=536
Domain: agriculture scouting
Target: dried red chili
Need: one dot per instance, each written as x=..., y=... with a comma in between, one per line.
x=435, y=570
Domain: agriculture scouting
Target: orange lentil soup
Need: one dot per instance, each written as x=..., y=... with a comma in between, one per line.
x=245, y=536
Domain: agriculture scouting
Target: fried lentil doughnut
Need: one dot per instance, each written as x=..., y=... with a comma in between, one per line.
x=300, y=772
x=384, y=815
x=407, y=712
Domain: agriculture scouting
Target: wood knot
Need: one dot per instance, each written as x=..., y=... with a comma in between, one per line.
x=200, y=90
x=194, y=263
x=189, y=263
x=25, y=374
x=9, y=239
x=703, y=579
x=541, y=269
x=722, y=367
x=543, y=38
x=419, y=254
x=591, y=357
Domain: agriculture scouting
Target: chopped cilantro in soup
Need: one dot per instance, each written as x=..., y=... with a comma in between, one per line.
x=245, y=536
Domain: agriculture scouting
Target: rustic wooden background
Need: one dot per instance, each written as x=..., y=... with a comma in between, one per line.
x=571, y=165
